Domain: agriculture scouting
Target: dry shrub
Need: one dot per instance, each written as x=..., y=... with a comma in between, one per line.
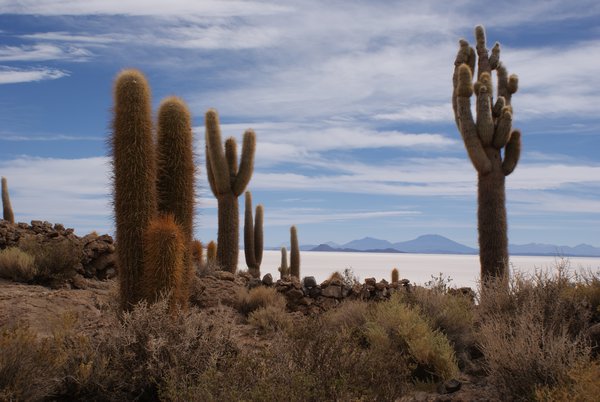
x=531, y=336
x=396, y=325
x=258, y=297
x=16, y=265
x=451, y=314
x=349, y=314
x=270, y=319
x=55, y=261
x=583, y=385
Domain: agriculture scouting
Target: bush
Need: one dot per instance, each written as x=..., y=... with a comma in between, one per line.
x=270, y=319
x=583, y=385
x=395, y=325
x=531, y=336
x=258, y=297
x=16, y=265
x=55, y=261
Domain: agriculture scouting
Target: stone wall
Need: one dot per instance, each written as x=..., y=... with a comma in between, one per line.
x=97, y=251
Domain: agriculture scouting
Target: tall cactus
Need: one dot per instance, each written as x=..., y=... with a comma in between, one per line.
x=134, y=194
x=164, y=261
x=284, y=270
x=175, y=174
x=253, y=237
x=7, y=211
x=227, y=182
x=294, y=253
x=485, y=138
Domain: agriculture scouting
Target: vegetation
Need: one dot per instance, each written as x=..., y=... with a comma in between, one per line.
x=7, y=211
x=294, y=253
x=253, y=237
x=486, y=138
x=227, y=181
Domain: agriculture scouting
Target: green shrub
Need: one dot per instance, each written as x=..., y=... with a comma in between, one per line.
x=16, y=265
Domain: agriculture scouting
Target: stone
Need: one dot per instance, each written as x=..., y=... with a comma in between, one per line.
x=314, y=292
x=253, y=283
x=381, y=286
x=370, y=281
x=267, y=280
x=225, y=276
x=309, y=282
x=334, y=291
x=294, y=294
x=451, y=386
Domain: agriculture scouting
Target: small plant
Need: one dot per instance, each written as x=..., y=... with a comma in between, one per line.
x=17, y=265
x=55, y=261
x=270, y=319
x=249, y=301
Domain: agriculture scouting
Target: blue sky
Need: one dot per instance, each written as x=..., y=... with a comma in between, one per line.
x=350, y=101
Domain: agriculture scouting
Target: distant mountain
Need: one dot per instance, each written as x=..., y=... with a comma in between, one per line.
x=581, y=250
x=433, y=244
x=367, y=243
x=436, y=244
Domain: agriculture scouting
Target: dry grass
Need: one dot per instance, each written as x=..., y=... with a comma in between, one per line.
x=55, y=261
x=249, y=301
x=17, y=265
x=270, y=319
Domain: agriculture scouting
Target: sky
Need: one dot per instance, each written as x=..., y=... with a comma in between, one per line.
x=350, y=102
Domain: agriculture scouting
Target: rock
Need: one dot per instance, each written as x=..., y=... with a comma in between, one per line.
x=267, y=280
x=381, y=286
x=294, y=294
x=370, y=281
x=314, y=292
x=309, y=282
x=451, y=386
x=225, y=276
x=334, y=291
x=253, y=283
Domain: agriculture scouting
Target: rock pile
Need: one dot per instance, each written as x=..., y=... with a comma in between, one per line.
x=97, y=258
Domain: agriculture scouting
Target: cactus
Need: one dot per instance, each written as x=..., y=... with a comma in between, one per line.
x=284, y=270
x=211, y=253
x=164, y=261
x=395, y=275
x=484, y=139
x=294, y=253
x=227, y=183
x=197, y=253
x=175, y=173
x=7, y=211
x=253, y=237
x=134, y=194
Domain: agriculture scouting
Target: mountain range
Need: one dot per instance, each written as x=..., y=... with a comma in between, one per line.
x=436, y=244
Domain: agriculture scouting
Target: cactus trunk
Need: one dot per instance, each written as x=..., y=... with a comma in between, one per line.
x=228, y=244
x=491, y=216
x=134, y=179
x=7, y=211
x=294, y=253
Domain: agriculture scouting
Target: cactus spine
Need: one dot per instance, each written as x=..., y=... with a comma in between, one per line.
x=284, y=270
x=395, y=275
x=227, y=182
x=294, y=253
x=7, y=211
x=134, y=179
x=164, y=261
x=253, y=237
x=484, y=139
x=175, y=173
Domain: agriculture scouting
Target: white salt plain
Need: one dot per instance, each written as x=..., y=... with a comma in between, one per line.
x=418, y=268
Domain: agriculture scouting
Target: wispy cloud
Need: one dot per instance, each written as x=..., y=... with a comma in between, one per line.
x=43, y=52
x=10, y=75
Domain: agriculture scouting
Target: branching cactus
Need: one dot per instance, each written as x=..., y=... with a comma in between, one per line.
x=253, y=237
x=294, y=253
x=284, y=270
x=491, y=143
x=7, y=211
x=227, y=182
x=134, y=164
x=175, y=173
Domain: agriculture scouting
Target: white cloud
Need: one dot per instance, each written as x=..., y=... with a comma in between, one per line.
x=43, y=52
x=17, y=75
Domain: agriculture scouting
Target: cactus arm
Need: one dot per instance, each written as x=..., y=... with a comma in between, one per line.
x=485, y=121
x=231, y=156
x=467, y=128
x=498, y=107
x=483, y=62
x=503, y=129
x=246, y=164
x=209, y=172
x=495, y=57
x=512, y=153
x=465, y=55
x=215, y=153
x=258, y=234
x=249, y=233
